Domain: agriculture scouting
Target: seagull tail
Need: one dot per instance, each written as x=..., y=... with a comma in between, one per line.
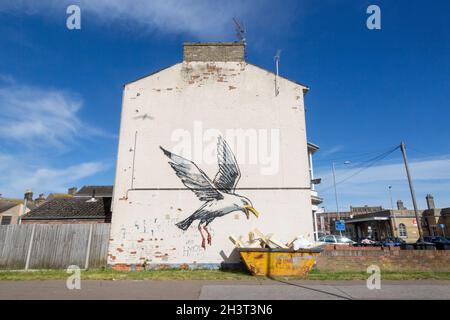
x=185, y=224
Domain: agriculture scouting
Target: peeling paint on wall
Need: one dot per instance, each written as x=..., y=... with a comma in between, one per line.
x=149, y=199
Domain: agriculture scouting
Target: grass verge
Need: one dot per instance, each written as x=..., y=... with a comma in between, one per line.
x=107, y=274
x=175, y=274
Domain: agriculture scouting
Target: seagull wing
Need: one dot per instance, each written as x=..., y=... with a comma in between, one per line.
x=193, y=177
x=228, y=175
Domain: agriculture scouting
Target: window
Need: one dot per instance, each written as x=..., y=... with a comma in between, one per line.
x=6, y=220
x=330, y=239
x=402, y=230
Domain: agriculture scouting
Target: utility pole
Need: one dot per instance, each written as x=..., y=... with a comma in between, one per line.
x=336, y=196
x=413, y=194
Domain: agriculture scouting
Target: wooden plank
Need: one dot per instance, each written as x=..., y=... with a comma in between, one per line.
x=99, y=247
x=235, y=241
x=14, y=242
x=54, y=246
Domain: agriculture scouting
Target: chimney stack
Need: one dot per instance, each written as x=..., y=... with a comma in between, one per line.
x=40, y=200
x=72, y=191
x=28, y=195
x=400, y=205
x=213, y=51
x=430, y=201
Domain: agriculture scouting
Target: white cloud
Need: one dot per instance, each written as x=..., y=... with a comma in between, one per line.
x=199, y=18
x=19, y=175
x=430, y=175
x=35, y=123
x=330, y=151
x=41, y=118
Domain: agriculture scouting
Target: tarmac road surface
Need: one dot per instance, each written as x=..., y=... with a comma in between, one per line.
x=224, y=289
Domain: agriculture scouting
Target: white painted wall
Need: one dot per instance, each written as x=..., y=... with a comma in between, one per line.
x=220, y=96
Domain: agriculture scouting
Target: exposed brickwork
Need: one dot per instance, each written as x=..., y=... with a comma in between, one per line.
x=208, y=51
x=127, y=267
x=340, y=258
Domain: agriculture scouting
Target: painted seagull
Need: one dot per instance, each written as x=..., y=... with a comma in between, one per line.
x=219, y=195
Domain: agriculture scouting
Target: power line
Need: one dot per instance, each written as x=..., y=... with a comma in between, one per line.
x=365, y=165
x=372, y=162
x=429, y=154
x=349, y=156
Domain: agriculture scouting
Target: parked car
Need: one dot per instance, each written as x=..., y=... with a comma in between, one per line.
x=367, y=242
x=336, y=239
x=392, y=242
x=424, y=245
x=436, y=240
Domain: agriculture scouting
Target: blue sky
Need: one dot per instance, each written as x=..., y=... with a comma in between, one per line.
x=60, y=90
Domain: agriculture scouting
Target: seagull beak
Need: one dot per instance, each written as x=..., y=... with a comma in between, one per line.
x=249, y=209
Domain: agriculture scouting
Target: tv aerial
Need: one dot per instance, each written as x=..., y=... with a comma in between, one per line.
x=277, y=58
x=240, y=30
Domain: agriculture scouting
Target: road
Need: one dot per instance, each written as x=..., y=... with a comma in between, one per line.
x=220, y=290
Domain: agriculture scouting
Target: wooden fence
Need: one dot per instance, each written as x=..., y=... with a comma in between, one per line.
x=53, y=246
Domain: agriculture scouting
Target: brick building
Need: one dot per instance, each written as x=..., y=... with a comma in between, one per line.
x=326, y=220
x=402, y=223
x=11, y=209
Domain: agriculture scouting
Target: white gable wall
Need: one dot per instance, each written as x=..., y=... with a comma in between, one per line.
x=190, y=99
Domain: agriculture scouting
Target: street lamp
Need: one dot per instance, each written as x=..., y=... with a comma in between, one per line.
x=390, y=196
x=393, y=213
x=335, y=191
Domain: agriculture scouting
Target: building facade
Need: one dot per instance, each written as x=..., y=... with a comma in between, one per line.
x=185, y=131
x=377, y=223
x=326, y=220
x=10, y=212
x=316, y=201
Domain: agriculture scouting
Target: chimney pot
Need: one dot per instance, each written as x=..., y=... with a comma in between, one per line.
x=400, y=205
x=28, y=195
x=430, y=201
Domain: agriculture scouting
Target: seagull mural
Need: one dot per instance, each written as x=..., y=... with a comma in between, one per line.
x=218, y=194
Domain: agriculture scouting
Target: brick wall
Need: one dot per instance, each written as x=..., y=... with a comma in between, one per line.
x=340, y=258
x=208, y=51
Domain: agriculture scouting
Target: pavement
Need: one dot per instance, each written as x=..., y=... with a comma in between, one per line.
x=224, y=290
